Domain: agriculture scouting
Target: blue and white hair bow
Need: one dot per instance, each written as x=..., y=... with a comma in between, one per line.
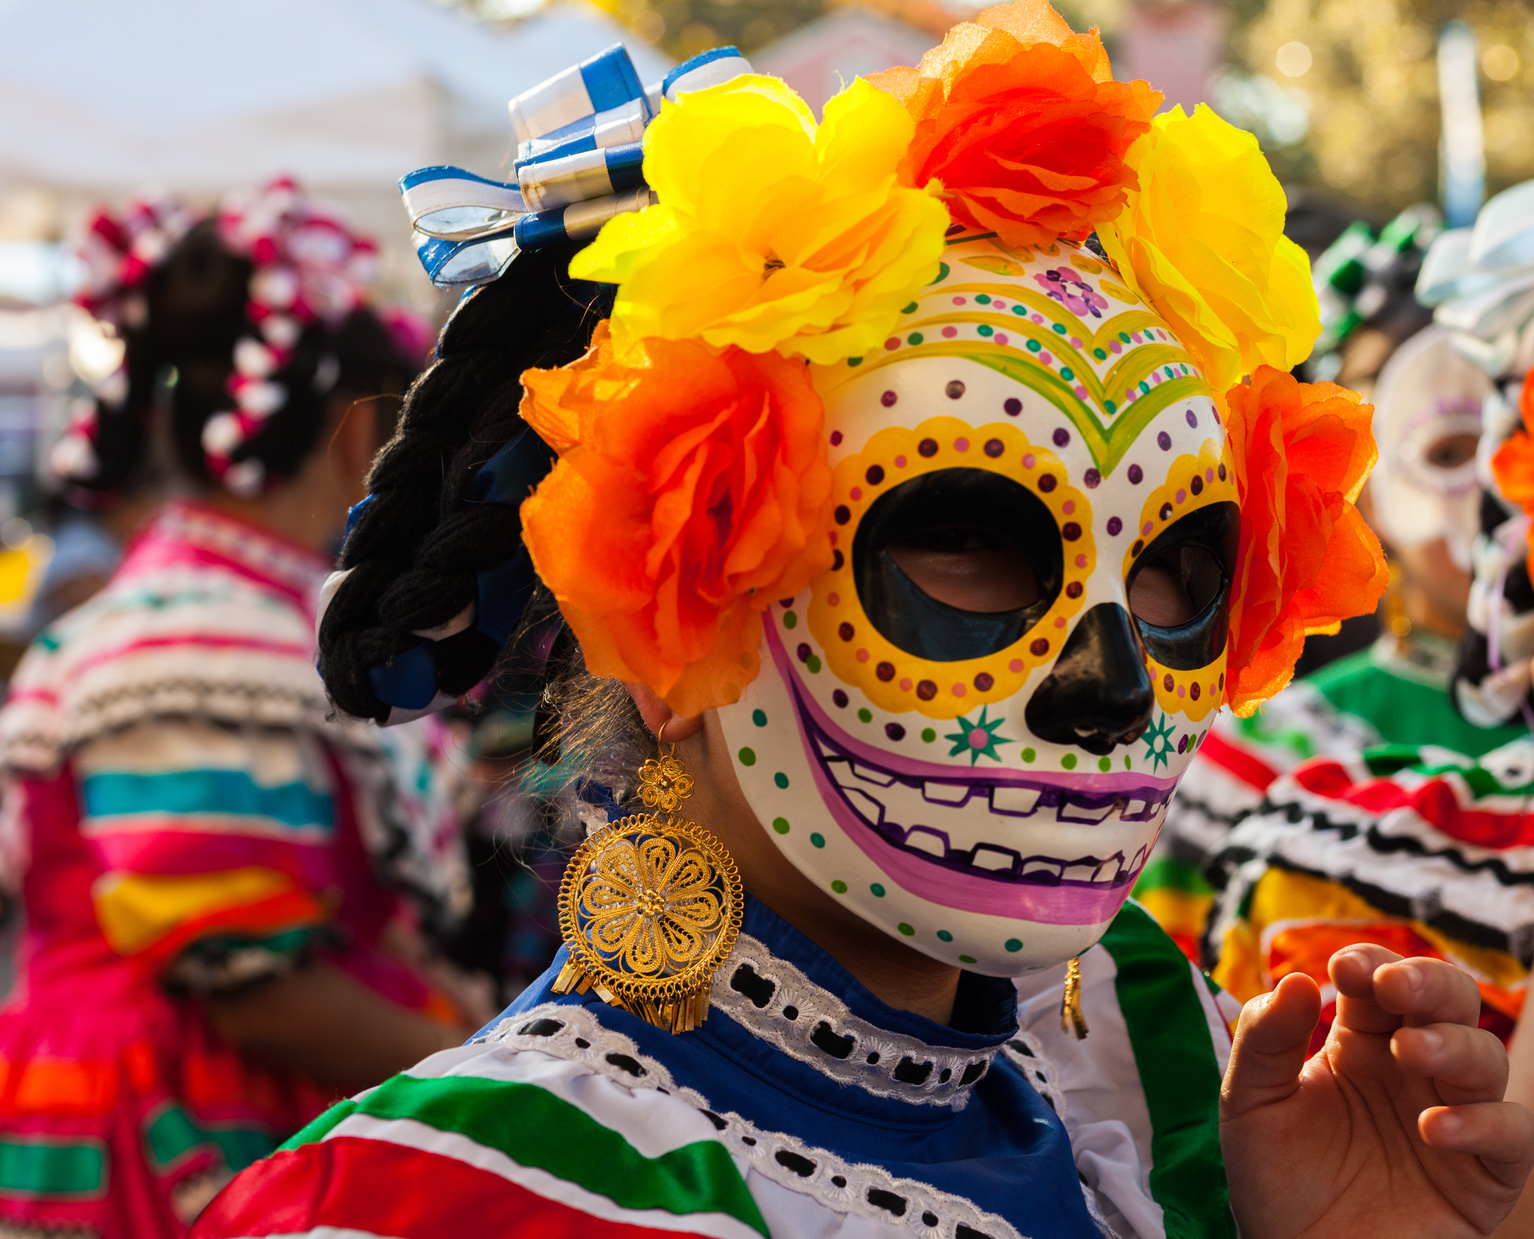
x=580, y=162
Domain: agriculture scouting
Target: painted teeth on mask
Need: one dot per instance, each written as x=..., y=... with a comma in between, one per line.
x=886, y=802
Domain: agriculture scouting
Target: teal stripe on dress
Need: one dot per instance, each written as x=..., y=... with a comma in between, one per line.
x=535, y=1128
x=39, y=1166
x=225, y=792
x=172, y=1134
x=1179, y=1073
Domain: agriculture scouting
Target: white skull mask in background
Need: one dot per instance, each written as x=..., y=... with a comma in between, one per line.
x=1427, y=419
x=986, y=785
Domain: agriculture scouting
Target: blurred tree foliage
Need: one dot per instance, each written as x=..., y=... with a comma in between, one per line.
x=1343, y=94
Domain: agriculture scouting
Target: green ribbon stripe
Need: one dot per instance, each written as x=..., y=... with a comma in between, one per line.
x=1179, y=1073
x=535, y=1128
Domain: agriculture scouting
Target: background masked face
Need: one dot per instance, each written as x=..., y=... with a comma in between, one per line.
x=1427, y=421
x=968, y=730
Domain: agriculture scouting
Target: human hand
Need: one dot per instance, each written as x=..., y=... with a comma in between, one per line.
x=1395, y=1129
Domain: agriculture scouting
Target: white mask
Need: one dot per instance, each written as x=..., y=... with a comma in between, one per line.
x=987, y=787
x=1426, y=395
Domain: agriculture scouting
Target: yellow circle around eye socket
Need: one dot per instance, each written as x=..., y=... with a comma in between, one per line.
x=859, y=655
x=1192, y=482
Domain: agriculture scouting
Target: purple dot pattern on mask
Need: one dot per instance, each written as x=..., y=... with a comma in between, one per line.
x=1115, y=526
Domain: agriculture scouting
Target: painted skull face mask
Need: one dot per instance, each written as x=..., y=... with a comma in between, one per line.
x=933, y=505
x=968, y=730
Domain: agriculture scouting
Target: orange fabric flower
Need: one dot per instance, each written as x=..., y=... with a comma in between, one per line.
x=1019, y=120
x=692, y=489
x=1513, y=464
x=1307, y=560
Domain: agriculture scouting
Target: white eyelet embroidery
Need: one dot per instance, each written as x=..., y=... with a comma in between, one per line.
x=573, y=1033
x=825, y=1034
x=1026, y=1053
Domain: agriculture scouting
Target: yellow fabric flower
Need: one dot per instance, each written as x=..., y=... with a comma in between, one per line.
x=772, y=233
x=1203, y=241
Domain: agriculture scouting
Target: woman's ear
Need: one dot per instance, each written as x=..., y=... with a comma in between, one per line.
x=657, y=714
x=352, y=447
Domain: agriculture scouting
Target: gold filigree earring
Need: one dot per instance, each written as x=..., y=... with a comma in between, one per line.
x=1072, y=1018
x=650, y=906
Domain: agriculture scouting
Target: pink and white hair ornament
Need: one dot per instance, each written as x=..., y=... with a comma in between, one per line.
x=309, y=267
x=118, y=251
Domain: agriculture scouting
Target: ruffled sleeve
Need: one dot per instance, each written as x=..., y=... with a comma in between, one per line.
x=211, y=846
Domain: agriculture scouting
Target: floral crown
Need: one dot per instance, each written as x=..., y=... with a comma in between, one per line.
x=693, y=486
x=309, y=267
x=117, y=251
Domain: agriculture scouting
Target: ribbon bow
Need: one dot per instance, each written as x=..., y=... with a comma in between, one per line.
x=580, y=161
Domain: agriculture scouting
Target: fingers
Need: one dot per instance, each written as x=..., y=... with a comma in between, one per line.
x=1500, y=1133
x=1270, y=1044
x=1466, y=1064
x=1377, y=990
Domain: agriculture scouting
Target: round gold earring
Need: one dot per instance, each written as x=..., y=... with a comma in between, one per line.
x=650, y=906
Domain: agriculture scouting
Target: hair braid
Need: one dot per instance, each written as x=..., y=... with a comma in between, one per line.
x=416, y=547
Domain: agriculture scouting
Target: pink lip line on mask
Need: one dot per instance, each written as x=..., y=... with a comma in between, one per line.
x=1065, y=904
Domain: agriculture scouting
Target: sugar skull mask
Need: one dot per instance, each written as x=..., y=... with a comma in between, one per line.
x=968, y=730
x=929, y=503
x=1427, y=420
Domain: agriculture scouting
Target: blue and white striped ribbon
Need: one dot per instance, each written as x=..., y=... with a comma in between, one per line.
x=455, y=205
x=606, y=81
x=580, y=162
x=575, y=178
x=619, y=127
x=710, y=68
x=580, y=220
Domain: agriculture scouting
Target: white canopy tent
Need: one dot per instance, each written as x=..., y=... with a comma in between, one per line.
x=100, y=97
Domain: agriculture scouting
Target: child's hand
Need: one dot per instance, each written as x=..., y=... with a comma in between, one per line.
x=1396, y=1129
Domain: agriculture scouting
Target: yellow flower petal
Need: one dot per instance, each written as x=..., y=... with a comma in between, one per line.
x=1202, y=240
x=772, y=233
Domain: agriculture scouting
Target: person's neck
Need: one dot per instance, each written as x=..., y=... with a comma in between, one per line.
x=308, y=510
x=896, y=974
x=1427, y=617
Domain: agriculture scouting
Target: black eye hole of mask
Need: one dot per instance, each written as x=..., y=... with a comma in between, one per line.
x=957, y=563
x=1179, y=587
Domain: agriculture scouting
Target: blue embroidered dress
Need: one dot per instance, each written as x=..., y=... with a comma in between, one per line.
x=802, y=1107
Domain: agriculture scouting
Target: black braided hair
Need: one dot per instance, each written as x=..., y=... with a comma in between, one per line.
x=195, y=312
x=416, y=547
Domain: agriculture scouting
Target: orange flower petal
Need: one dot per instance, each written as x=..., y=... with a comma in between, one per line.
x=692, y=489
x=1019, y=120
x=1513, y=463
x=1307, y=560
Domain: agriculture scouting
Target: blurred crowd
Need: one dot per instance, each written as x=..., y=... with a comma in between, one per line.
x=222, y=897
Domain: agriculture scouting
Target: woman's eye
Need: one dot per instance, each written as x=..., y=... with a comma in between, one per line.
x=1451, y=451
x=1172, y=587
x=967, y=568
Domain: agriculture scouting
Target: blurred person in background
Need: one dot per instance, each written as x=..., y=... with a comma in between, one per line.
x=215, y=868
x=1420, y=844
x=1424, y=501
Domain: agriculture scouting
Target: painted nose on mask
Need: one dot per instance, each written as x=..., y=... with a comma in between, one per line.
x=1099, y=694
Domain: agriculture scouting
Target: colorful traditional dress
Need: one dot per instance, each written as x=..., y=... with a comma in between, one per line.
x=192, y=821
x=1396, y=692
x=803, y=1106
x=1420, y=849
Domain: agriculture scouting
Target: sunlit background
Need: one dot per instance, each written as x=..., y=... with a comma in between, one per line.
x=1365, y=107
